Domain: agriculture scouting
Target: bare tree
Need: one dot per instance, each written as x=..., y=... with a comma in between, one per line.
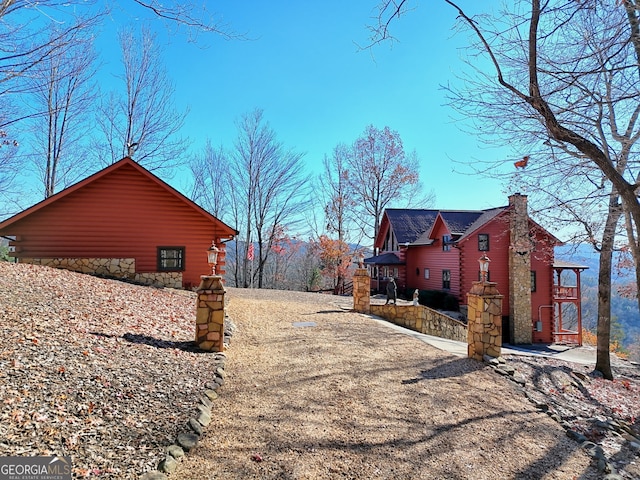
x=142, y=123
x=340, y=214
x=337, y=194
x=8, y=162
x=565, y=81
x=25, y=26
x=211, y=183
x=269, y=191
x=62, y=88
x=381, y=174
x=26, y=43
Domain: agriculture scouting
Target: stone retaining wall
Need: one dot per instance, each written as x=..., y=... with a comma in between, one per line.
x=111, y=267
x=422, y=319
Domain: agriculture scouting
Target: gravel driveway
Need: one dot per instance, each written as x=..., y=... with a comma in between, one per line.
x=315, y=391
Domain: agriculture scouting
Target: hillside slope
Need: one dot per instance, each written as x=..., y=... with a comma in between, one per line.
x=105, y=372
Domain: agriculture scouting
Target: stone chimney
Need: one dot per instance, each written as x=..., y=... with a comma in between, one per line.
x=520, y=248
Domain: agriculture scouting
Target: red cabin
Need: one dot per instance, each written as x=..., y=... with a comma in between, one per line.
x=121, y=222
x=440, y=249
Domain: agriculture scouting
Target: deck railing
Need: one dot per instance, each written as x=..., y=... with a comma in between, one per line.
x=569, y=293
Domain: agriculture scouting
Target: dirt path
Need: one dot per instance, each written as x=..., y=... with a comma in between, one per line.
x=316, y=392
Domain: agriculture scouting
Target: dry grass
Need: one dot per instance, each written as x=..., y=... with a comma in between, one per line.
x=350, y=398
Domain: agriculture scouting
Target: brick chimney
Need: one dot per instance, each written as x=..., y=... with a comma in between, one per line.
x=520, y=248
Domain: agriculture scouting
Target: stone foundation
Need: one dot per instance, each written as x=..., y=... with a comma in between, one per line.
x=484, y=321
x=111, y=267
x=161, y=279
x=210, y=314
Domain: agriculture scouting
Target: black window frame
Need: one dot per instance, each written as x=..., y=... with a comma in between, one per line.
x=533, y=281
x=180, y=258
x=486, y=237
x=446, y=279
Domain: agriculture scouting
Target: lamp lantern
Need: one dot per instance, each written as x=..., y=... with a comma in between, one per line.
x=361, y=260
x=484, y=267
x=212, y=256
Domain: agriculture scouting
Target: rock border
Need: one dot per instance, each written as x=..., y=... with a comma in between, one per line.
x=196, y=425
x=595, y=451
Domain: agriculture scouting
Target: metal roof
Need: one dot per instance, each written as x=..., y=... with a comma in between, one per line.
x=409, y=224
x=413, y=226
x=384, y=259
x=459, y=221
x=563, y=264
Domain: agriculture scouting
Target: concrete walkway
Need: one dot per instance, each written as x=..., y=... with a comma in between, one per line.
x=585, y=355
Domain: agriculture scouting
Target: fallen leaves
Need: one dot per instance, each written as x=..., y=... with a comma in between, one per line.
x=71, y=381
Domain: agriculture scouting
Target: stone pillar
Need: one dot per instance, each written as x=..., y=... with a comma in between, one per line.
x=361, y=291
x=484, y=326
x=210, y=314
x=521, y=245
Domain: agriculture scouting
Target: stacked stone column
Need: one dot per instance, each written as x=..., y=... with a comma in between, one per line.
x=520, y=248
x=210, y=314
x=361, y=291
x=484, y=327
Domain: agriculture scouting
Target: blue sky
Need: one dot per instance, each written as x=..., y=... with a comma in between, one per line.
x=303, y=67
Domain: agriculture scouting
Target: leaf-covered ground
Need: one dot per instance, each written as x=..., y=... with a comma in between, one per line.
x=105, y=372
x=96, y=369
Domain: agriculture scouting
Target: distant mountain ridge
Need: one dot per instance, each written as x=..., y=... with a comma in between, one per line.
x=623, y=310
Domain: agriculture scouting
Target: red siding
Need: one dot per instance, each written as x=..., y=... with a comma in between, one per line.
x=436, y=260
x=542, y=298
x=463, y=263
x=498, y=253
x=122, y=214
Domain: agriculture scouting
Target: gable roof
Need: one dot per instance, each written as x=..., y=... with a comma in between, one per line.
x=485, y=217
x=414, y=226
x=458, y=222
x=125, y=162
x=409, y=224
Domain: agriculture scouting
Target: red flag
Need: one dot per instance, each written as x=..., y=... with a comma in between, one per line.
x=250, y=252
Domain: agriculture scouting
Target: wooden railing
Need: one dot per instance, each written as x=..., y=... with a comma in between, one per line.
x=570, y=293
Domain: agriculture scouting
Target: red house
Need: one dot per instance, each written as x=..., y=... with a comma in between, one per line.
x=121, y=222
x=440, y=249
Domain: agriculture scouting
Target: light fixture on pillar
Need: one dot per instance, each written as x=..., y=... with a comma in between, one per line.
x=212, y=257
x=484, y=267
x=361, y=260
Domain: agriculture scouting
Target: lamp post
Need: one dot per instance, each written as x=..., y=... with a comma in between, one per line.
x=484, y=267
x=212, y=257
x=361, y=260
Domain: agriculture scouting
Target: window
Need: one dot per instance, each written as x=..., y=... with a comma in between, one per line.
x=446, y=279
x=417, y=271
x=446, y=243
x=170, y=259
x=426, y=274
x=533, y=281
x=483, y=242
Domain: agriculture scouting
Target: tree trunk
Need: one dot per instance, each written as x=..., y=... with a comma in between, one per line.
x=603, y=360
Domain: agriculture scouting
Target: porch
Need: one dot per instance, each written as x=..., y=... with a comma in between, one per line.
x=567, y=303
